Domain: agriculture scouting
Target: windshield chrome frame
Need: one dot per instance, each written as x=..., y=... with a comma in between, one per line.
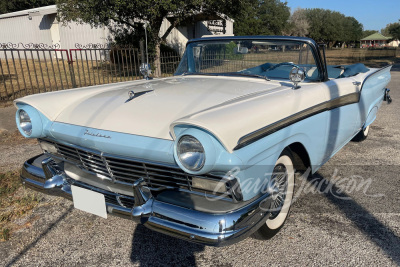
x=323, y=75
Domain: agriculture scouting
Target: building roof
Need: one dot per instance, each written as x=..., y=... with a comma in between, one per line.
x=376, y=36
x=40, y=11
x=45, y=10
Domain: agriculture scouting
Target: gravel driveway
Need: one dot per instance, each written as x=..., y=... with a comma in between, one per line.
x=334, y=221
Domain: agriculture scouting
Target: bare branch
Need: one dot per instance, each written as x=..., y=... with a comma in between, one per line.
x=123, y=21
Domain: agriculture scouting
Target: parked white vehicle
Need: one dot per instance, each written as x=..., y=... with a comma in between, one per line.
x=207, y=155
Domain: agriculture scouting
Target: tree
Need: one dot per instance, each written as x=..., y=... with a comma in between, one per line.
x=352, y=30
x=392, y=30
x=332, y=26
x=298, y=23
x=262, y=17
x=323, y=25
x=273, y=16
x=132, y=14
x=247, y=22
x=385, y=31
x=17, y=5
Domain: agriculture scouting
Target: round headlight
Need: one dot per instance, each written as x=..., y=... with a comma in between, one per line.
x=25, y=122
x=191, y=153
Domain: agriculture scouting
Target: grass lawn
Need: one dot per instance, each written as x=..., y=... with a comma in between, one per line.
x=16, y=202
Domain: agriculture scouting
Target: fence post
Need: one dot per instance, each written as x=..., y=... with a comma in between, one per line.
x=71, y=68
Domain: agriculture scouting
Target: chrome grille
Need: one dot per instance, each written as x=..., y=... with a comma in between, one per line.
x=126, y=170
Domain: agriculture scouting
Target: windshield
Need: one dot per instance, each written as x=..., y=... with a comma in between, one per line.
x=270, y=59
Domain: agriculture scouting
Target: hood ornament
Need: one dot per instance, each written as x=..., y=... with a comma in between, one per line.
x=132, y=94
x=297, y=75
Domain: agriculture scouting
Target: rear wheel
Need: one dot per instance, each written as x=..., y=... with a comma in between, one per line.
x=362, y=135
x=281, y=189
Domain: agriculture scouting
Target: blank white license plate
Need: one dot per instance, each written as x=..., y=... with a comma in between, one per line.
x=89, y=201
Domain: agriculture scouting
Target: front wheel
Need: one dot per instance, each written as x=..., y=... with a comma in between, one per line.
x=362, y=135
x=281, y=190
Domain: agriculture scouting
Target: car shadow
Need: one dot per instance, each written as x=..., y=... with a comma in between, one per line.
x=150, y=248
x=378, y=233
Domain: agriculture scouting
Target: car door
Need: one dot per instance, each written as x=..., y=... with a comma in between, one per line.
x=343, y=113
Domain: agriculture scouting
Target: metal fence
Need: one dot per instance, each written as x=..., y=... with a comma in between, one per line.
x=37, y=68
x=31, y=69
x=373, y=57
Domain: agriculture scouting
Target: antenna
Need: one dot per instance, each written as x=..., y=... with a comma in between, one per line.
x=145, y=34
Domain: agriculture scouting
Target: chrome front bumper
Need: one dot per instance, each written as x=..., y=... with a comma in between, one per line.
x=214, y=229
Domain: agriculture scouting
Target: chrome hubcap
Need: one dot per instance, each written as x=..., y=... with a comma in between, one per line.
x=277, y=189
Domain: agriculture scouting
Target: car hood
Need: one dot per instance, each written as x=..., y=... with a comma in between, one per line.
x=156, y=105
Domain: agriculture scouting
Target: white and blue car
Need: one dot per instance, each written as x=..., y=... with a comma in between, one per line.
x=208, y=155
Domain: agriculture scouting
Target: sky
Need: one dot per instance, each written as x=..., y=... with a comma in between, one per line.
x=373, y=14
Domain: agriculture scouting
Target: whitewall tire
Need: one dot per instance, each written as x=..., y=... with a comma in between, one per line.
x=362, y=135
x=282, y=190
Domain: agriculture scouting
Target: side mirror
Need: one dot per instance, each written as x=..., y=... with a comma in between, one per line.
x=296, y=76
x=145, y=70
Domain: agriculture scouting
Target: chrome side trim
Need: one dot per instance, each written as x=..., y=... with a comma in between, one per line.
x=325, y=106
x=328, y=105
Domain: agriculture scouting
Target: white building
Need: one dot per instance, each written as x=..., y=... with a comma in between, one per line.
x=39, y=25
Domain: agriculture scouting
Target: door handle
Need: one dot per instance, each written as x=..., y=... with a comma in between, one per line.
x=357, y=83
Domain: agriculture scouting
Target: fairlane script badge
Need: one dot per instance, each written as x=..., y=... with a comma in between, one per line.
x=96, y=134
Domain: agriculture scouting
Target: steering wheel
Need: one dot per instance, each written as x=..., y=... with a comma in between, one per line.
x=284, y=64
x=281, y=64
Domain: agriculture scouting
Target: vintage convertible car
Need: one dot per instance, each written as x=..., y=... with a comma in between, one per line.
x=208, y=155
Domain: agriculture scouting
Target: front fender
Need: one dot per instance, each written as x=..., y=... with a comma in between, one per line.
x=259, y=158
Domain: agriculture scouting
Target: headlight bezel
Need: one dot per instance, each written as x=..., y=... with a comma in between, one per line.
x=209, y=145
x=36, y=119
x=25, y=122
x=197, y=166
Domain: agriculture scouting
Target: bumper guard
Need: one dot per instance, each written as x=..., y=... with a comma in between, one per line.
x=196, y=226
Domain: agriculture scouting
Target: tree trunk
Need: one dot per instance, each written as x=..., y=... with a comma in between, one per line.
x=155, y=26
x=157, y=61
